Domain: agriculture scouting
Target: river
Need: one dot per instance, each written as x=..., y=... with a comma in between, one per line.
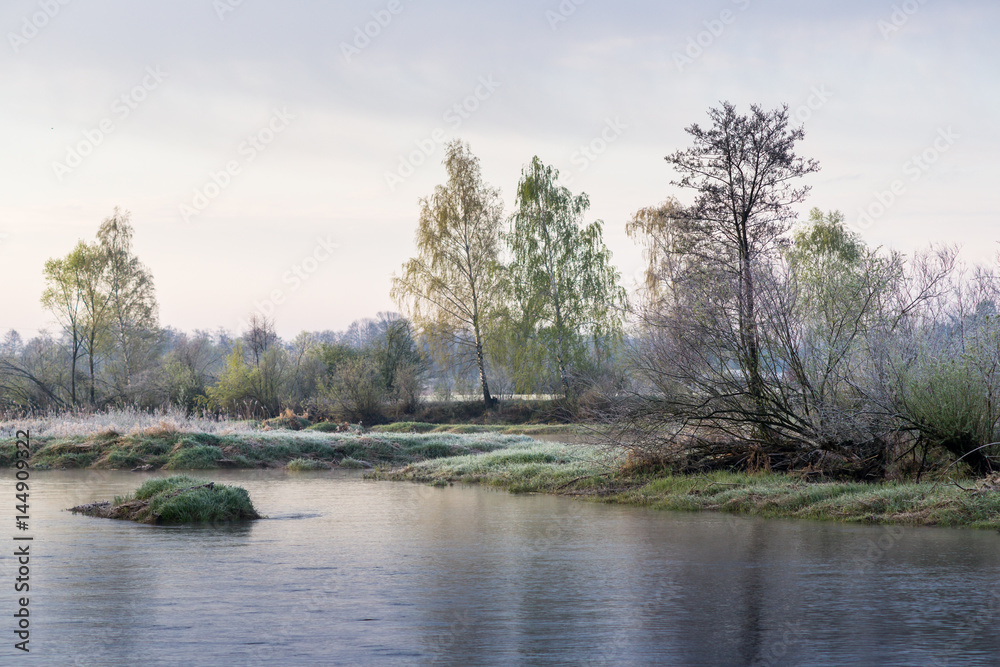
x=347, y=571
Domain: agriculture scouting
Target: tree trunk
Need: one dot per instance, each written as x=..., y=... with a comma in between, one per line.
x=487, y=398
x=93, y=393
x=751, y=348
x=72, y=379
x=561, y=353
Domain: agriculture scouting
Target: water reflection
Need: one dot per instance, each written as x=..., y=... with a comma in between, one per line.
x=349, y=571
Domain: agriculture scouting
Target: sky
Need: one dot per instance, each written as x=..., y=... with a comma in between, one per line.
x=273, y=154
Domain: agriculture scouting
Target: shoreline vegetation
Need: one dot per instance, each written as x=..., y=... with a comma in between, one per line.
x=509, y=458
x=176, y=500
x=580, y=472
x=138, y=441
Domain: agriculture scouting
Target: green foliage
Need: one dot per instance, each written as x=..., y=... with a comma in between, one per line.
x=288, y=420
x=173, y=501
x=386, y=369
x=952, y=406
x=566, y=301
x=337, y=354
x=197, y=457
x=249, y=388
x=156, y=486
x=406, y=427
x=400, y=364
x=356, y=391
x=330, y=427
x=104, y=300
x=432, y=450
x=124, y=458
x=452, y=284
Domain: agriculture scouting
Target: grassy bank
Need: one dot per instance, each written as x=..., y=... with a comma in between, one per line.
x=500, y=429
x=177, y=500
x=578, y=471
x=500, y=456
x=170, y=449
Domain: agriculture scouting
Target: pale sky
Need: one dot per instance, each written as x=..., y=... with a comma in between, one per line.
x=137, y=104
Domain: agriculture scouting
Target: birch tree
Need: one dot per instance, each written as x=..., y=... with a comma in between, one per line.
x=132, y=308
x=561, y=269
x=451, y=285
x=63, y=297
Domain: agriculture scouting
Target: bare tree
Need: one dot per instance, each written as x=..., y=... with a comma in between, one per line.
x=259, y=337
x=744, y=170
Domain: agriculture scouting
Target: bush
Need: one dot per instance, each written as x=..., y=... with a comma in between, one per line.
x=356, y=392
x=951, y=407
x=288, y=420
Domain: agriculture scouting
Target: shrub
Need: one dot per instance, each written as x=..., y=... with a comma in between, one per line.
x=288, y=420
x=356, y=392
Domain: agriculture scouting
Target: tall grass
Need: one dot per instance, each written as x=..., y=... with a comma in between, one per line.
x=122, y=421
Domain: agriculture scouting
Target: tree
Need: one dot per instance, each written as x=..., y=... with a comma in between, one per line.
x=187, y=368
x=251, y=383
x=96, y=303
x=398, y=359
x=744, y=170
x=451, y=285
x=104, y=299
x=31, y=374
x=63, y=297
x=561, y=273
x=132, y=316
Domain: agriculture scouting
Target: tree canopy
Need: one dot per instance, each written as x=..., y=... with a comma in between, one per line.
x=451, y=285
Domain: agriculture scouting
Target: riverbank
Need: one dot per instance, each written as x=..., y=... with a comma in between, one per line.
x=171, y=449
x=583, y=472
x=501, y=456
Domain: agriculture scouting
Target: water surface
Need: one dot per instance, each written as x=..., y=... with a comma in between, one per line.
x=348, y=571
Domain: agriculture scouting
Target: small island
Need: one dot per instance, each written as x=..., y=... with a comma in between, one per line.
x=176, y=500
